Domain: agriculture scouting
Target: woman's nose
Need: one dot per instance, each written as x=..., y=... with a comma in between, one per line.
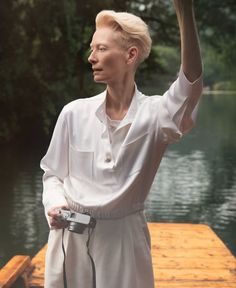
x=92, y=58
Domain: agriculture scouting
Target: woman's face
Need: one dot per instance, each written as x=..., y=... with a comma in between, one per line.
x=108, y=57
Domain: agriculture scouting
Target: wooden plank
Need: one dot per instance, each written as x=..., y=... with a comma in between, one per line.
x=36, y=279
x=13, y=270
x=194, y=263
x=191, y=253
x=219, y=275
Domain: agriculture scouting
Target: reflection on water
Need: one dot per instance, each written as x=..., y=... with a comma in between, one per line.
x=196, y=183
x=182, y=190
x=26, y=210
x=179, y=187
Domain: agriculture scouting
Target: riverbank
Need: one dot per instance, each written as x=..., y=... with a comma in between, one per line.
x=218, y=92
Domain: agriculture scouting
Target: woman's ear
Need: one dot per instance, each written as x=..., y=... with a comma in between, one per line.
x=132, y=55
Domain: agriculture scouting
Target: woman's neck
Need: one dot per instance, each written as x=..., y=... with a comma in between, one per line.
x=119, y=97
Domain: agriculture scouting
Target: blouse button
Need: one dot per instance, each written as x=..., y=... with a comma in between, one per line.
x=108, y=157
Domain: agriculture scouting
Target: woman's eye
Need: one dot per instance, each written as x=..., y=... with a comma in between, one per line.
x=102, y=49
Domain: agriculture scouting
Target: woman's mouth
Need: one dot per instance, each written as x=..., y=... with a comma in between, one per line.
x=97, y=70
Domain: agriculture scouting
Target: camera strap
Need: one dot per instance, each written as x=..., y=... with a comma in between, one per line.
x=90, y=231
x=64, y=260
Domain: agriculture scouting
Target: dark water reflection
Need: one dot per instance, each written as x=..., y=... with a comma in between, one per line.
x=196, y=183
x=23, y=229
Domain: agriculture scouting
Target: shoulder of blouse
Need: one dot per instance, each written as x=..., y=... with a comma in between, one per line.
x=81, y=103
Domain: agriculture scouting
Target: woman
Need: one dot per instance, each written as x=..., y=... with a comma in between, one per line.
x=105, y=152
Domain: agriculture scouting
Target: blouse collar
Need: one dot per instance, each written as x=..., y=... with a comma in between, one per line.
x=129, y=117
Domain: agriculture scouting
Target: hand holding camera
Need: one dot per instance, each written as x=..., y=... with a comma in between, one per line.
x=76, y=222
x=54, y=219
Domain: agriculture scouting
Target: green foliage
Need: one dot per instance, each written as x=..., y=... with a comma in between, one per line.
x=224, y=86
x=219, y=68
x=42, y=44
x=217, y=21
x=217, y=26
x=162, y=68
x=169, y=58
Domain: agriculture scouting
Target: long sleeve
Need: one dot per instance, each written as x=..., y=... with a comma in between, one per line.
x=178, y=107
x=55, y=165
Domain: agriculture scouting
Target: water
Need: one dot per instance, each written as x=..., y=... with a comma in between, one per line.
x=196, y=183
x=22, y=224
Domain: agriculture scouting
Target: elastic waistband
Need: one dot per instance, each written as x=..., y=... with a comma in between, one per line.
x=103, y=212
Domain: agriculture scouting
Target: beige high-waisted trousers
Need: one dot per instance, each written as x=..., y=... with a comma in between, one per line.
x=120, y=249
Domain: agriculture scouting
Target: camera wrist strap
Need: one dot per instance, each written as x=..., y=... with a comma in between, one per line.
x=90, y=231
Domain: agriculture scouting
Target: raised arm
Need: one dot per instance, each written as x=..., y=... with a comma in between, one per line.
x=178, y=106
x=190, y=50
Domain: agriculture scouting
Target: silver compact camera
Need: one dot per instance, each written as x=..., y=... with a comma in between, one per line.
x=77, y=221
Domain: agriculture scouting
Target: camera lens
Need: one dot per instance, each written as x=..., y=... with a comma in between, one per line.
x=76, y=227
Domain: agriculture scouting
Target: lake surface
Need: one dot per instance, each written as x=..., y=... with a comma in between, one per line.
x=196, y=183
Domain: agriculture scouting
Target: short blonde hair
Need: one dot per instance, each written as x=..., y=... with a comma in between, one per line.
x=134, y=30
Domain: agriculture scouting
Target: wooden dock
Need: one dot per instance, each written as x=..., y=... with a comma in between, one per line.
x=184, y=256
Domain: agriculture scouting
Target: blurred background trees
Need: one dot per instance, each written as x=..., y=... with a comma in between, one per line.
x=44, y=48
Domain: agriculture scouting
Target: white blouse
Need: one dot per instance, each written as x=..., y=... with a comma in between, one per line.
x=111, y=179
